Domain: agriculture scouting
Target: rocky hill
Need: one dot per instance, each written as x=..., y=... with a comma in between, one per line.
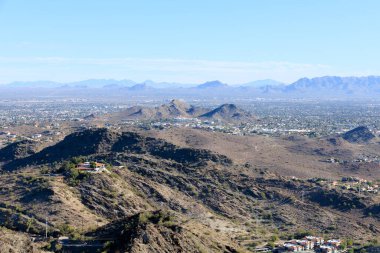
x=176, y=108
x=360, y=134
x=106, y=142
x=228, y=112
x=207, y=201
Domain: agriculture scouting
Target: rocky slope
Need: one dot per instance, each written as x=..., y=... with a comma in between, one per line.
x=103, y=142
x=13, y=242
x=157, y=231
x=217, y=204
x=18, y=150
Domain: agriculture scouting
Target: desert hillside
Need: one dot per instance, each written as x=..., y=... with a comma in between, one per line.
x=211, y=190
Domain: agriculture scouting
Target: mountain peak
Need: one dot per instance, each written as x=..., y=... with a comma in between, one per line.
x=180, y=104
x=140, y=87
x=231, y=106
x=212, y=84
x=228, y=112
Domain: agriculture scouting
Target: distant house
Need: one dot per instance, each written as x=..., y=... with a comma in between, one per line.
x=292, y=247
x=334, y=243
x=315, y=239
x=36, y=136
x=298, y=245
x=309, y=243
x=306, y=244
x=327, y=249
x=11, y=136
x=91, y=167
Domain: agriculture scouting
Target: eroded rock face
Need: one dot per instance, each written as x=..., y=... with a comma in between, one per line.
x=358, y=135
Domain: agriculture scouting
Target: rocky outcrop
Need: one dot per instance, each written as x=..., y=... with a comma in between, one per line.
x=359, y=135
x=176, y=108
x=228, y=112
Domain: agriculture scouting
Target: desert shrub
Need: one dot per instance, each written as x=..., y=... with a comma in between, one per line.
x=44, y=170
x=70, y=231
x=159, y=217
x=274, y=238
x=252, y=244
x=267, y=215
x=30, y=224
x=77, y=160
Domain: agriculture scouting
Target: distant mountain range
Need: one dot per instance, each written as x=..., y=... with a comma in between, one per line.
x=328, y=87
x=91, y=83
x=111, y=83
x=349, y=86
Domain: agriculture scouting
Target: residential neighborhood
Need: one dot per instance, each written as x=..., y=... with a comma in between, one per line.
x=311, y=244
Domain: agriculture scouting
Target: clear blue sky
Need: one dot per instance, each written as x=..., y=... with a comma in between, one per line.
x=188, y=40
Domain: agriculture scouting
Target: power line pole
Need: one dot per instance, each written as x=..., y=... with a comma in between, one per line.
x=46, y=228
